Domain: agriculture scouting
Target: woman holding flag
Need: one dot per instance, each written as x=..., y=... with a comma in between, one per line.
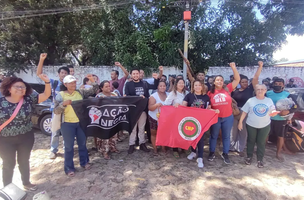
x=156, y=101
x=70, y=127
x=175, y=99
x=104, y=146
x=220, y=99
x=198, y=99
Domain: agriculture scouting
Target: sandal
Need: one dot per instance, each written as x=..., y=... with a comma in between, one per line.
x=71, y=174
x=88, y=166
x=115, y=151
x=106, y=156
x=30, y=187
x=176, y=154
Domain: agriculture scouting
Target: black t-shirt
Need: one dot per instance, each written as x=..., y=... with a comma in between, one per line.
x=241, y=97
x=197, y=101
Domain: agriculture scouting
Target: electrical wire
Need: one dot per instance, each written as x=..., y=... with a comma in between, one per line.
x=35, y=13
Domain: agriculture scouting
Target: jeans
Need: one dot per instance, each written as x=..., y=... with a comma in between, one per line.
x=69, y=132
x=238, y=138
x=9, y=146
x=55, y=141
x=200, y=147
x=258, y=136
x=225, y=124
x=141, y=130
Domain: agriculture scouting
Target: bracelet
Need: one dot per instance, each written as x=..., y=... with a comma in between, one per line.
x=47, y=82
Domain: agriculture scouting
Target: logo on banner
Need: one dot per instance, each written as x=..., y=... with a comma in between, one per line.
x=189, y=128
x=108, y=116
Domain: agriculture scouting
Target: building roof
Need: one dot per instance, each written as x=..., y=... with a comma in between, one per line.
x=294, y=63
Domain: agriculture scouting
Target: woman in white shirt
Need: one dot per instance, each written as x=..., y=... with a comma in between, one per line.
x=259, y=110
x=176, y=98
x=156, y=101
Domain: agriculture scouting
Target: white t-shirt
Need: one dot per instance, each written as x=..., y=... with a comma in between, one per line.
x=258, y=112
x=158, y=100
x=173, y=98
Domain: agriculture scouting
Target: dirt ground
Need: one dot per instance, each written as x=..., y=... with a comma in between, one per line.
x=144, y=176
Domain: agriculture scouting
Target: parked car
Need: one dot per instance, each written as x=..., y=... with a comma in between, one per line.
x=42, y=116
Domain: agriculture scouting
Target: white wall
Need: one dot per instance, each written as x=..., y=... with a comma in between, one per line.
x=104, y=73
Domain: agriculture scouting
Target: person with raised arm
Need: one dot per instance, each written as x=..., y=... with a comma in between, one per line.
x=55, y=87
x=16, y=135
x=241, y=96
x=115, y=75
x=220, y=99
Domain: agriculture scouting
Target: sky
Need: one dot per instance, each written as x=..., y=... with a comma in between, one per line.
x=292, y=50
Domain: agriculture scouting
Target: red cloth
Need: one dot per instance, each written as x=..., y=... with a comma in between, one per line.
x=183, y=126
x=221, y=100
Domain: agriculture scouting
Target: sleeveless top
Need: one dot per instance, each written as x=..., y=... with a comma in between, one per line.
x=158, y=100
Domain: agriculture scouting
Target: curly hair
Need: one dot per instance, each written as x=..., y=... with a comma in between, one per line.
x=8, y=82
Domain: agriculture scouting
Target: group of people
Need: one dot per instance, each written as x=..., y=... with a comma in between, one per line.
x=246, y=114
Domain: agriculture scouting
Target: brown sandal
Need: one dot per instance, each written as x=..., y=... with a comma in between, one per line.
x=71, y=174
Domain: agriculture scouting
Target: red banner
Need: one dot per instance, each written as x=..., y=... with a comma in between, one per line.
x=183, y=126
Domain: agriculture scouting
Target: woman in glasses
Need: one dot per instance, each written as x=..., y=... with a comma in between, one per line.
x=17, y=136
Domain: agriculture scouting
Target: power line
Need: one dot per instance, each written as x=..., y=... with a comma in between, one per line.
x=35, y=13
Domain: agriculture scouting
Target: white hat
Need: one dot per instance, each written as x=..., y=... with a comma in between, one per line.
x=69, y=79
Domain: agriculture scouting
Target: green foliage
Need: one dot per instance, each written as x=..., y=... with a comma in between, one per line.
x=146, y=34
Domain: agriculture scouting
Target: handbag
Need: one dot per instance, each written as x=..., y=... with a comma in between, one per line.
x=12, y=192
x=13, y=115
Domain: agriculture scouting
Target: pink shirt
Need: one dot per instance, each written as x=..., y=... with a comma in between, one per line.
x=121, y=83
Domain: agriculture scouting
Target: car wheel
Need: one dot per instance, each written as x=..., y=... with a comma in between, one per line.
x=45, y=125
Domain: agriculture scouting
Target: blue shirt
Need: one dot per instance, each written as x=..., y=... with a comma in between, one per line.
x=275, y=97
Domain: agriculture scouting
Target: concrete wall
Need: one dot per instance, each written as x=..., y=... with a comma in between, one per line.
x=103, y=72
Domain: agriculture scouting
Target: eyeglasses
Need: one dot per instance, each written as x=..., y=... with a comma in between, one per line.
x=19, y=87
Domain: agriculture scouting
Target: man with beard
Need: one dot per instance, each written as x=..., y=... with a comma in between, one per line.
x=138, y=87
x=278, y=122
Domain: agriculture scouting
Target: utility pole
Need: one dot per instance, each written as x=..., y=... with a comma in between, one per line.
x=187, y=18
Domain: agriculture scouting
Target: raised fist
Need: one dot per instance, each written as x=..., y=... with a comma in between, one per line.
x=260, y=63
x=44, y=77
x=161, y=68
x=43, y=56
x=95, y=115
x=155, y=75
x=117, y=64
x=232, y=64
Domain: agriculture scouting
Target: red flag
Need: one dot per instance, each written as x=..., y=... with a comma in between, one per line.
x=183, y=126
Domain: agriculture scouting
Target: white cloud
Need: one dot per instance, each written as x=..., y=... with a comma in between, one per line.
x=292, y=50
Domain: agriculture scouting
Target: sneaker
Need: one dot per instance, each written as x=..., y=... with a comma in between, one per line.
x=144, y=148
x=191, y=156
x=260, y=164
x=211, y=156
x=200, y=163
x=52, y=155
x=226, y=158
x=248, y=161
x=131, y=149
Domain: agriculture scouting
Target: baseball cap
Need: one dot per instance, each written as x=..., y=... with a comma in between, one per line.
x=69, y=79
